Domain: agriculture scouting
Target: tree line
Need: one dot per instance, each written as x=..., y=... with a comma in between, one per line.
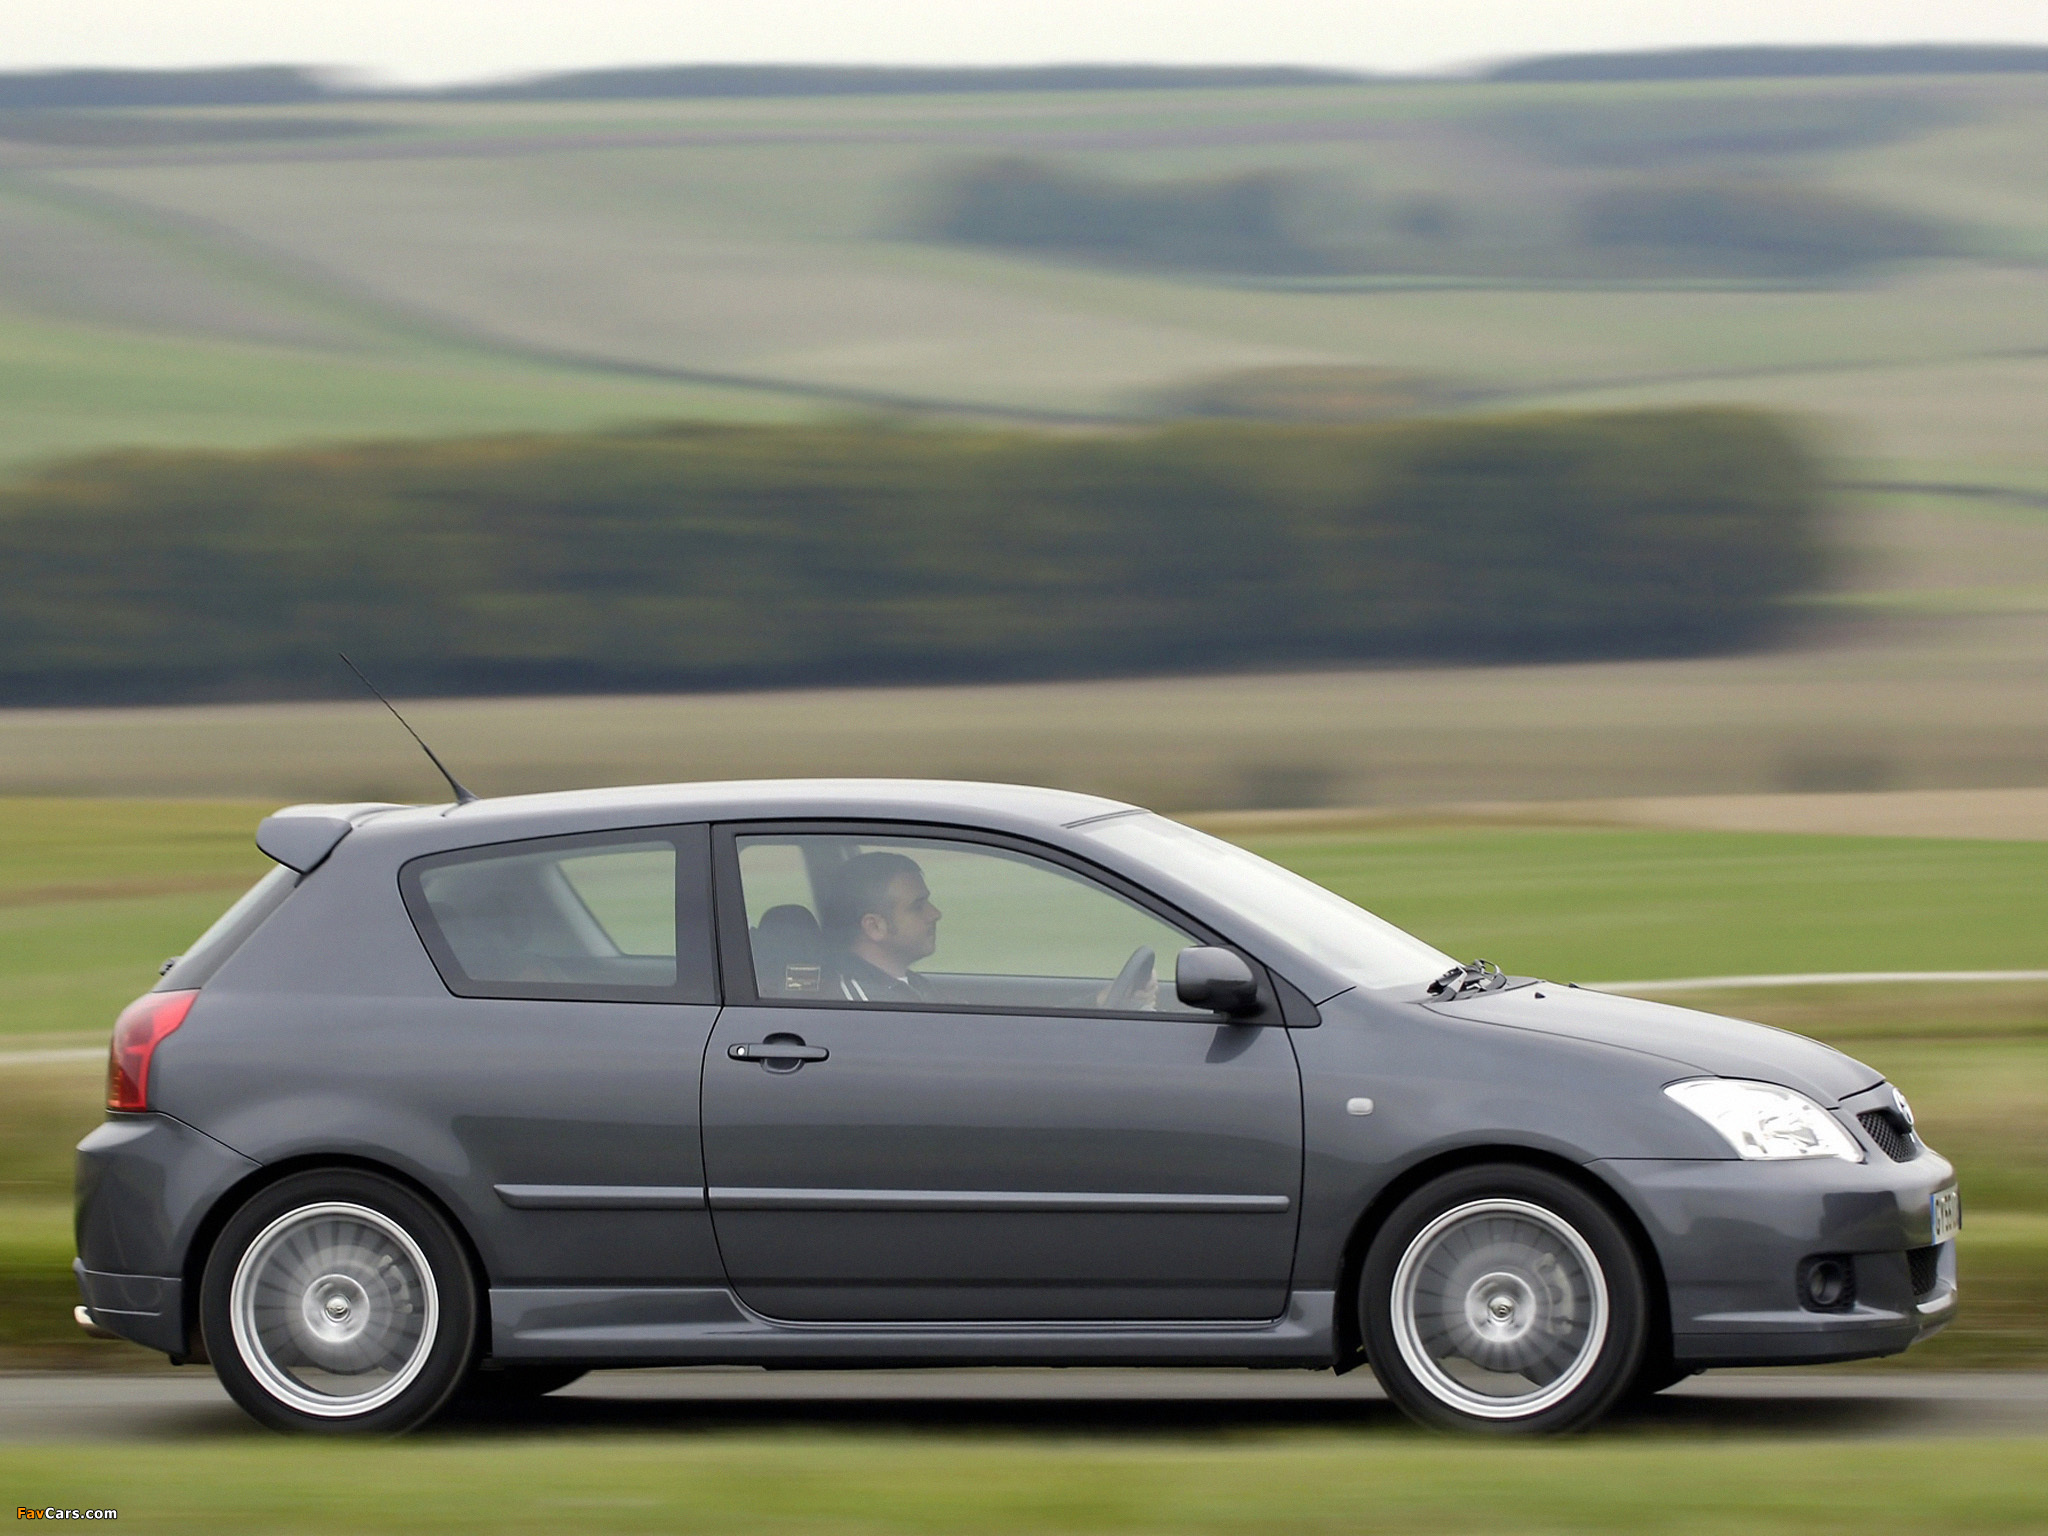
x=723, y=556
x=1290, y=224
x=1768, y=61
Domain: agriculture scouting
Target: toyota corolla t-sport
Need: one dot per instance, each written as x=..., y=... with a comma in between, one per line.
x=467, y=1100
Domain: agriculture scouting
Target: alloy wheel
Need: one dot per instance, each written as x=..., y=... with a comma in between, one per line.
x=334, y=1309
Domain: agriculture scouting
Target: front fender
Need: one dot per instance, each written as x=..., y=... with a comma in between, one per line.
x=1440, y=1086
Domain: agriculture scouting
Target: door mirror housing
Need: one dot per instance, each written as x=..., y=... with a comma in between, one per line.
x=1204, y=977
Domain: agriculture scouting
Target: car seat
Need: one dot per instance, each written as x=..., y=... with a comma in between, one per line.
x=789, y=953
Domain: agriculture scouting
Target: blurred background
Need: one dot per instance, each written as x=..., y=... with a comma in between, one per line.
x=601, y=390
x=1589, y=505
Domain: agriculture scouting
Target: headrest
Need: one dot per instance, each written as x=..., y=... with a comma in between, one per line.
x=787, y=922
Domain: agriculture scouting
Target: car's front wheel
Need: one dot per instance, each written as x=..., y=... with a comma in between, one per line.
x=1503, y=1298
x=338, y=1301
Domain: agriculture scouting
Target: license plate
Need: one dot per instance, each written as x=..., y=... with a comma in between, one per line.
x=1948, y=1214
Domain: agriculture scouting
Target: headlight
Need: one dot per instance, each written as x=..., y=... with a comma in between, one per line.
x=1762, y=1120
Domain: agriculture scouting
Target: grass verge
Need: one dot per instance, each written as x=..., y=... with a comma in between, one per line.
x=1393, y=1482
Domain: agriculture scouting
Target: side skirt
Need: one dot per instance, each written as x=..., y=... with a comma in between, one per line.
x=709, y=1325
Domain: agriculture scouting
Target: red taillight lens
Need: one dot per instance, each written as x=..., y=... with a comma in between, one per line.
x=137, y=1033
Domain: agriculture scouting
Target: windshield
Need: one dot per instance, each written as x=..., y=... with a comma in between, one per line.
x=1321, y=924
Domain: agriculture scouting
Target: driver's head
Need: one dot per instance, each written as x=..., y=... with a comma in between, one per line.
x=882, y=910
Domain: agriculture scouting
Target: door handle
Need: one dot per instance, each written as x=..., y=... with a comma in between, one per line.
x=775, y=1051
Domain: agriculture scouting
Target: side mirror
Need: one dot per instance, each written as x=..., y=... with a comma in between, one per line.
x=1217, y=979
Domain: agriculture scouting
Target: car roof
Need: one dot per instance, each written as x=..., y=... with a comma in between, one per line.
x=1016, y=807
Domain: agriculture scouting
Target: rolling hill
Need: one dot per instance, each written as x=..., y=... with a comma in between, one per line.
x=339, y=269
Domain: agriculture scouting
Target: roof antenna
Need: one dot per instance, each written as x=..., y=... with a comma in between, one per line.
x=462, y=796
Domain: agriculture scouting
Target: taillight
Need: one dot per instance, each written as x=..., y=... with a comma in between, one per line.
x=137, y=1033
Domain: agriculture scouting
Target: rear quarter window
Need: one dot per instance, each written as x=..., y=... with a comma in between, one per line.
x=617, y=916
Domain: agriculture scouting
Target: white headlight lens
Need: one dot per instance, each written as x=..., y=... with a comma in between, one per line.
x=1764, y=1121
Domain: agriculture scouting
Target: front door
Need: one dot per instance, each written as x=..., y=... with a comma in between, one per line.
x=962, y=1094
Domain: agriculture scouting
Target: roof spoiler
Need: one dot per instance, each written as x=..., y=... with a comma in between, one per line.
x=300, y=837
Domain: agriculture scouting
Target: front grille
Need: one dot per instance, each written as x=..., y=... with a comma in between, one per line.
x=1924, y=1265
x=1894, y=1138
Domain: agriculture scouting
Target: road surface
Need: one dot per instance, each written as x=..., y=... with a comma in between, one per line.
x=189, y=1404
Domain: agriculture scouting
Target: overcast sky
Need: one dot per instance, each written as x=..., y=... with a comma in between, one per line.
x=437, y=40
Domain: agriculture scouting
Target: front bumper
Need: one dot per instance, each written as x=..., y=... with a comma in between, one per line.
x=1732, y=1238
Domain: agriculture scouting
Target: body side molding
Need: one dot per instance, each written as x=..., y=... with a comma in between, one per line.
x=601, y=1197
x=727, y=1198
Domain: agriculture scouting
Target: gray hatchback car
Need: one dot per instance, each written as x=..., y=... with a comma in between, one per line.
x=467, y=1100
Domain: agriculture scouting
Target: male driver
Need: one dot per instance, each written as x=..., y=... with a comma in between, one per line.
x=880, y=913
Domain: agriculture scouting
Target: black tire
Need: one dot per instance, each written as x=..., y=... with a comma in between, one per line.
x=339, y=1302
x=1503, y=1299
x=493, y=1384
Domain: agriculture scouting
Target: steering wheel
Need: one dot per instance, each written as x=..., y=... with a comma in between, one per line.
x=1138, y=974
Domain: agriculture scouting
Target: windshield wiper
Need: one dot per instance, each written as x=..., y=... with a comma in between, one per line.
x=1479, y=976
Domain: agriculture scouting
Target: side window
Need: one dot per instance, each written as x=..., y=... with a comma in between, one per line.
x=569, y=917
x=839, y=919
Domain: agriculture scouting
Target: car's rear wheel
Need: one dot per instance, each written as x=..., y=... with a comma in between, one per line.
x=336, y=1302
x=1503, y=1299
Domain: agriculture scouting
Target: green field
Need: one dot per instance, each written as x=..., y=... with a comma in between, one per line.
x=1592, y=904
x=74, y=387
x=568, y=264
x=1384, y=1480
x=93, y=894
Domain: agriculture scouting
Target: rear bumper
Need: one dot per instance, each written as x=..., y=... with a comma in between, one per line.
x=145, y=1183
x=144, y=1309
x=1732, y=1237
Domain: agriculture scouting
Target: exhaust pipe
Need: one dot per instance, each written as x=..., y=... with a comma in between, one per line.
x=84, y=1320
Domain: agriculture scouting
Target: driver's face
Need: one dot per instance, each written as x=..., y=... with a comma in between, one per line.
x=909, y=929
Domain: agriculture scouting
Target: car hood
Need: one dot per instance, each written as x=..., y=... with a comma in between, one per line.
x=1700, y=1042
